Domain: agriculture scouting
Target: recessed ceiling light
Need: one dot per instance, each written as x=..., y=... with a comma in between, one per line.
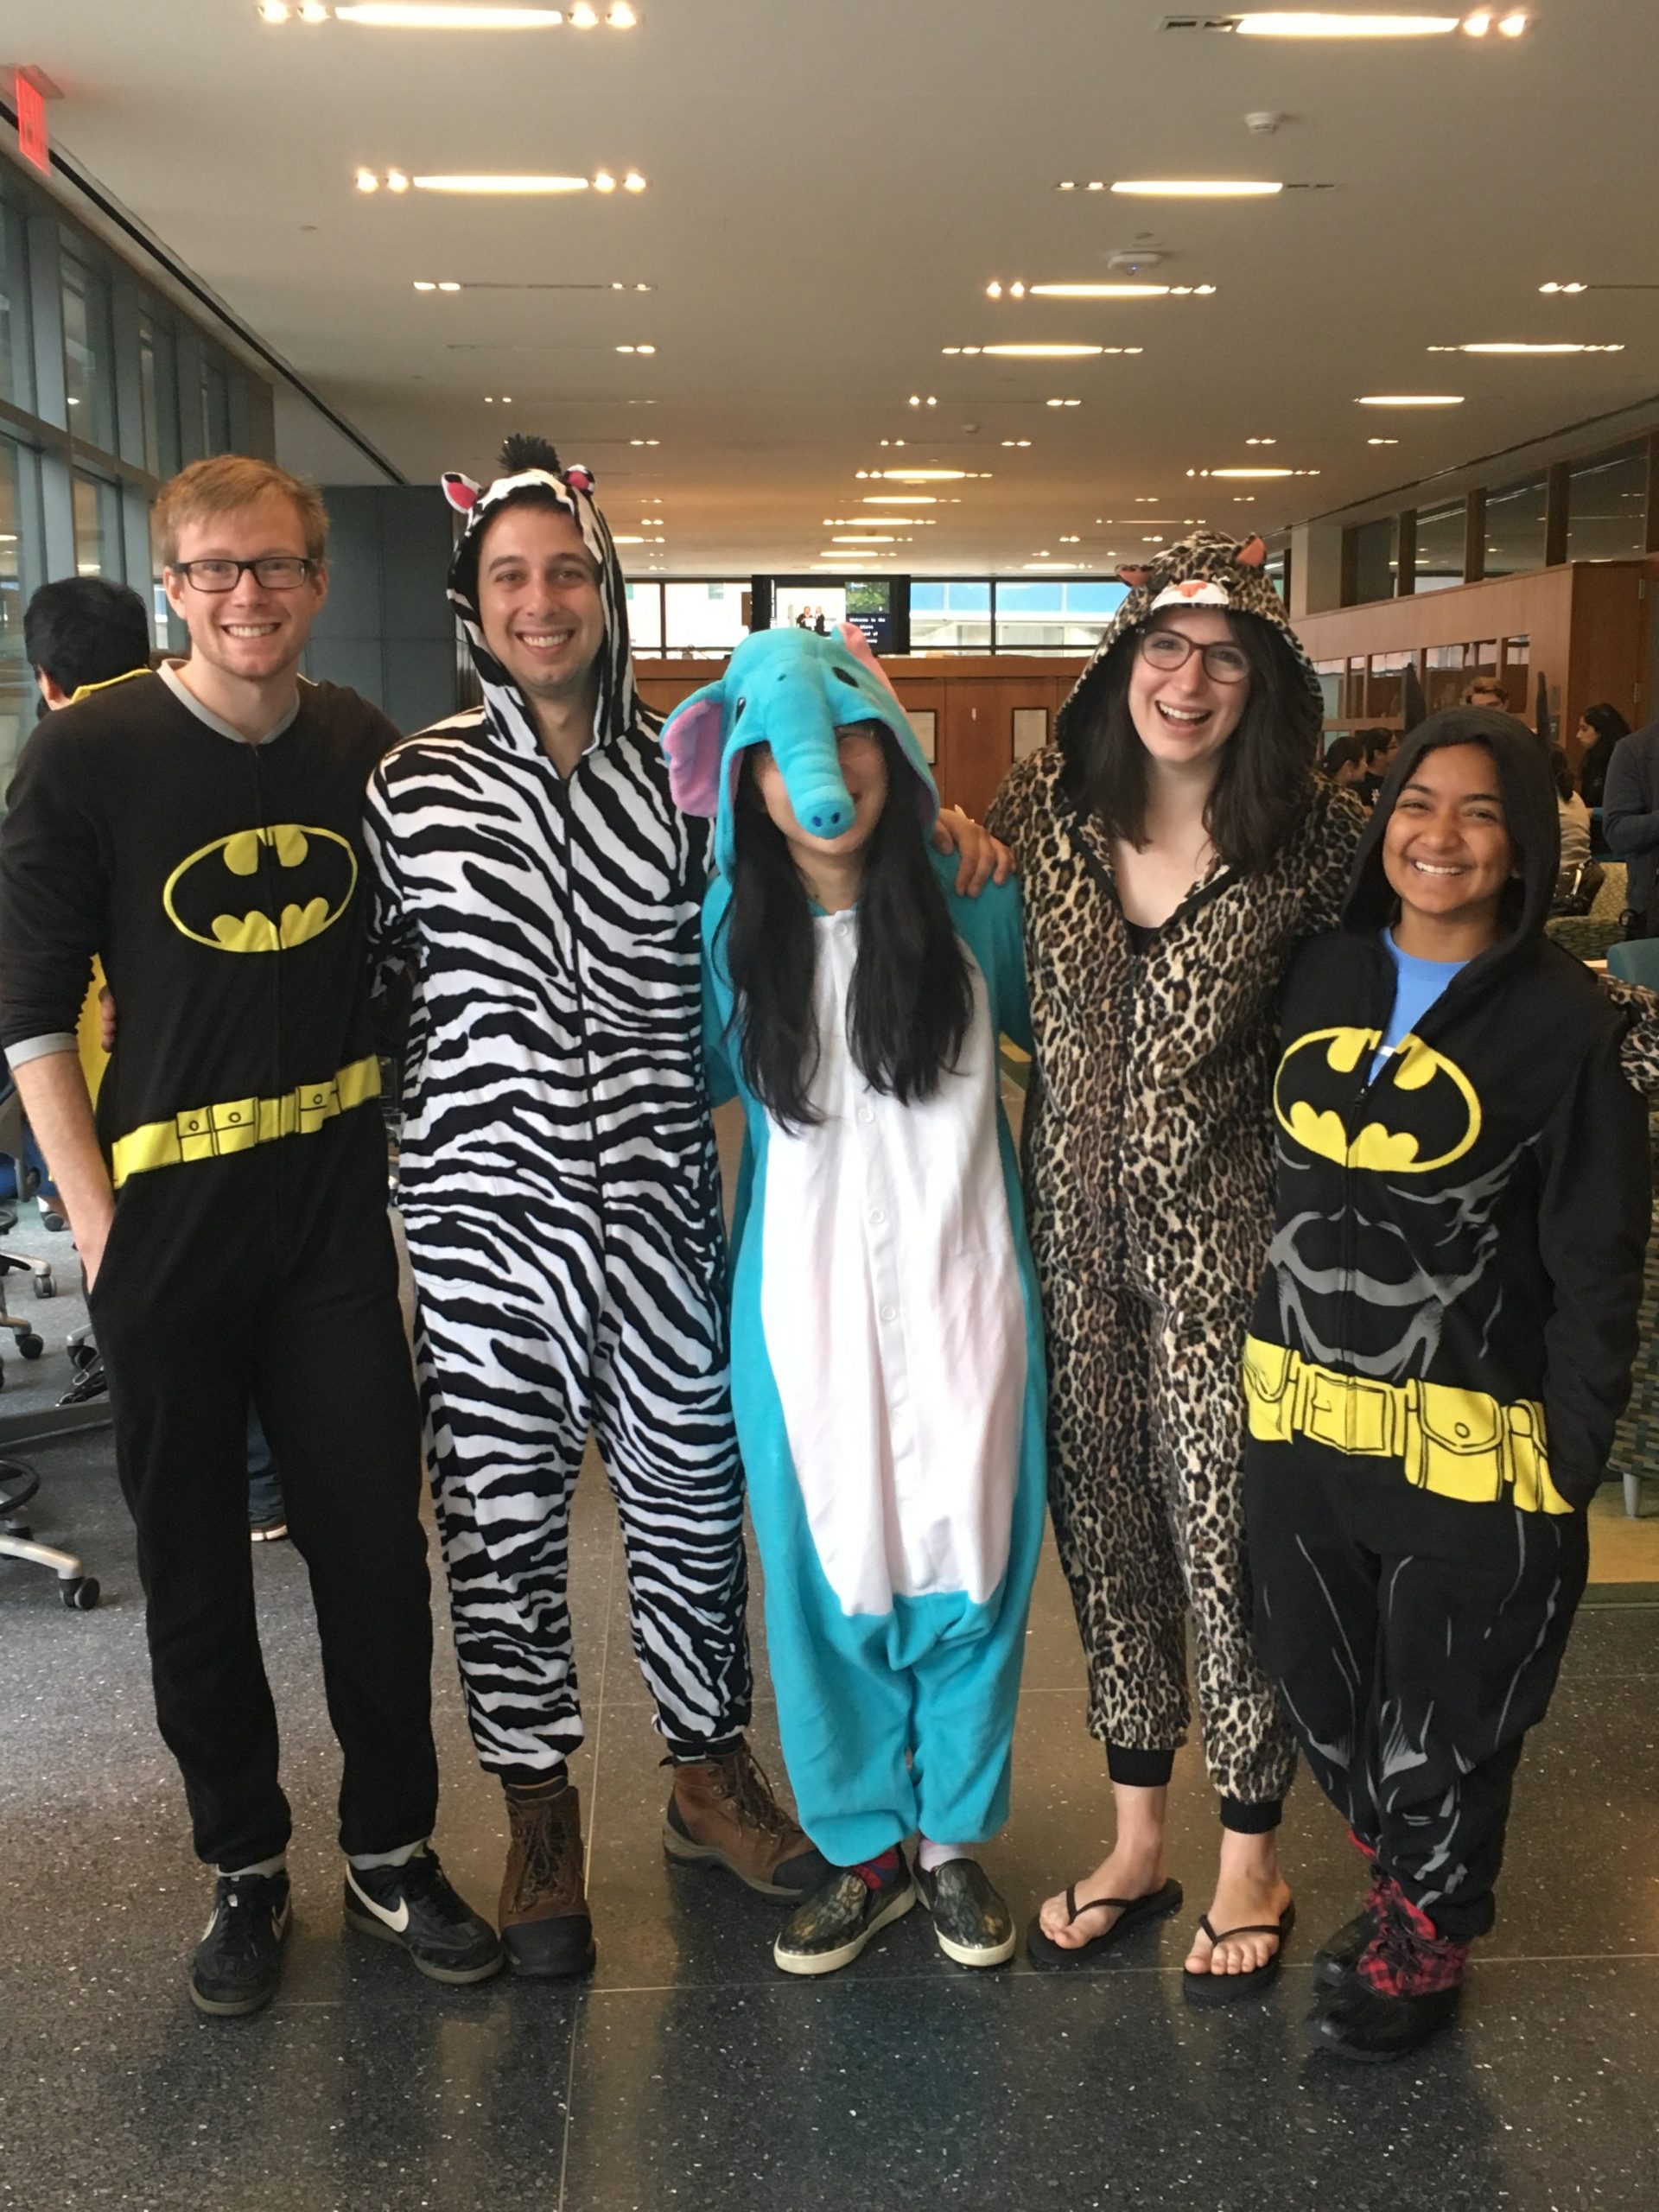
x=993, y=291
x=1016, y=442
x=633, y=181
x=1411, y=399
x=1508, y=345
x=864, y=541
x=1062, y=402
x=512, y=185
x=583, y=17
x=636, y=349
x=367, y=181
x=1563, y=288
x=645, y=441
x=905, y=500
x=916, y=400
x=924, y=475
x=1261, y=442
x=432, y=15
x=1041, y=352
x=1382, y=441
x=1248, y=472
x=1320, y=22
x=1195, y=187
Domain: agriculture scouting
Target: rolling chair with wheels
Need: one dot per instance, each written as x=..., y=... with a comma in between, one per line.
x=18, y=1484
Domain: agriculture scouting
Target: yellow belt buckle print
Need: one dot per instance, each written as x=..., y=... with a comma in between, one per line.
x=235, y=1124
x=1455, y=1442
x=1270, y=1374
x=1351, y=1413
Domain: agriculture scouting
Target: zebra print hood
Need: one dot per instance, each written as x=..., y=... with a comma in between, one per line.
x=534, y=467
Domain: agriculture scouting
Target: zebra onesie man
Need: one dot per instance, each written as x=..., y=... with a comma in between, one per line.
x=560, y=1193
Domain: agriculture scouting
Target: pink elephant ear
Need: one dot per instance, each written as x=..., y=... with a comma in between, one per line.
x=1252, y=553
x=460, y=492
x=692, y=738
x=861, y=649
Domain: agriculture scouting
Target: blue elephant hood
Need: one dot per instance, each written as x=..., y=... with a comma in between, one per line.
x=790, y=688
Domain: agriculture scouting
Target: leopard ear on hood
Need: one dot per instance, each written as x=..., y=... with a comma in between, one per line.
x=532, y=471
x=1530, y=811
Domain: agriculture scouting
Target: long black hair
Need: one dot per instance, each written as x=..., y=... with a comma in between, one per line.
x=1266, y=765
x=1610, y=726
x=911, y=1000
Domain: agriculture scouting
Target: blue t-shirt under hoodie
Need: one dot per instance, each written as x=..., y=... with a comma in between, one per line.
x=1417, y=984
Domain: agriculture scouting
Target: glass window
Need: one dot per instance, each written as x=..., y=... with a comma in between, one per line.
x=1515, y=527
x=1376, y=559
x=1055, y=613
x=1440, y=546
x=703, y=617
x=1607, y=506
x=88, y=353
x=950, y=616
x=158, y=388
x=97, y=528
x=215, y=408
x=17, y=692
x=17, y=365
x=645, y=618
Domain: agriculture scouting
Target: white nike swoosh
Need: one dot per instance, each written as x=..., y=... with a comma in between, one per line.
x=398, y=1921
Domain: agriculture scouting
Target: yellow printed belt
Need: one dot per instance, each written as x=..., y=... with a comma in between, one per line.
x=209, y=1131
x=1456, y=1443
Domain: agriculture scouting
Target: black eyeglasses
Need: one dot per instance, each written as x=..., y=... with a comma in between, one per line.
x=271, y=572
x=1169, y=650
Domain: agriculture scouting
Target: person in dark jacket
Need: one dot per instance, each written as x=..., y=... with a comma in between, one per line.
x=1440, y=1349
x=1599, y=730
x=1630, y=822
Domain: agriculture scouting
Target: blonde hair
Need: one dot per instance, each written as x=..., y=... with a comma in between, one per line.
x=225, y=484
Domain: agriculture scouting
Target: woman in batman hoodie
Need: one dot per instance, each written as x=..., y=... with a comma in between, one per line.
x=1441, y=1346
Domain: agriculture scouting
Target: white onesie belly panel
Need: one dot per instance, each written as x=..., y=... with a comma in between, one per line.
x=893, y=1316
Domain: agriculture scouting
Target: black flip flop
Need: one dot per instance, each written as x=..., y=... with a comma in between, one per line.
x=1050, y=1957
x=1207, y=1988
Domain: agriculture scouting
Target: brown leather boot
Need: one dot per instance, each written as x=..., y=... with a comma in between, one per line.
x=545, y=1929
x=722, y=1814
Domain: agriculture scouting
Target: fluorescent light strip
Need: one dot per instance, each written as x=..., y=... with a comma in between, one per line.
x=996, y=289
x=1280, y=22
x=413, y=15
x=1251, y=472
x=1515, y=346
x=1411, y=399
x=1041, y=353
x=1194, y=189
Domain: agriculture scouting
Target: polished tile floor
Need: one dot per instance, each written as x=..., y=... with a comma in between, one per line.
x=689, y=2073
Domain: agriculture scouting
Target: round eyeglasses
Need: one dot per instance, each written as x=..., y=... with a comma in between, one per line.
x=271, y=572
x=1168, y=650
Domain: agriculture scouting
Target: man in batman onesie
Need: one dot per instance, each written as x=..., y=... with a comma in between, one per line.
x=1442, y=1347
x=200, y=831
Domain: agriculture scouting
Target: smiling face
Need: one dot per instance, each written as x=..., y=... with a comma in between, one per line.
x=538, y=600
x=1447, y=851
x=863, y=766
x=250, y=634
x=1183, y=716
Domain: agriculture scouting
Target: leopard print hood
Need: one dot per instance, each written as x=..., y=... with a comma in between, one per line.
x=1203, y=570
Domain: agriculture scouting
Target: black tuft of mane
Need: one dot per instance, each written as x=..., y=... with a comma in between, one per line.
x=522, y=451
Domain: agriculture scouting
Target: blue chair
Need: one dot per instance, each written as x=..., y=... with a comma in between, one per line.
x=1636, y=961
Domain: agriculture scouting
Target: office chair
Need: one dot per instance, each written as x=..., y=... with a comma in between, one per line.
x=18, y=1484
x=25, y=1182
x=1636, y=961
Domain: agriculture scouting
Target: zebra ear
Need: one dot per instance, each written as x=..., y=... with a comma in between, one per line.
x=694, y=738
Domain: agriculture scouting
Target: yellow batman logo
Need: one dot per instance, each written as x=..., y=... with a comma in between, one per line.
x=1419, y=1086
x=225, y=895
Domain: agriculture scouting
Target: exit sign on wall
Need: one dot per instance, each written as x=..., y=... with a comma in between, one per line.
x=31, y=123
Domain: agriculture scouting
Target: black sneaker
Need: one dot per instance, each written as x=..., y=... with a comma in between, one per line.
x=835, y=1923
x=238, y=1963
x=973, y=1924
x=414, y=1904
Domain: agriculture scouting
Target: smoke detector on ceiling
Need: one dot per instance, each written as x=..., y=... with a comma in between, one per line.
x=1132, y=259
x=1264, y=121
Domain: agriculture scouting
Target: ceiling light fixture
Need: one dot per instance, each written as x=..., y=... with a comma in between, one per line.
x=1062, y=402
x=916, y=400
x=864, y=541
x=1563, y=288
x=1194, y=188
x=645, y=441
x=519, y=186
x=1382, y=441
x=1261, y=442
x=434, y=16
x=1411, y=399
x=993, y=291
x=1508, y=346
x=926, y=475
x=636, y=349
x=1320, y=22
x=1251, y=472
x=1039, y=352
x=905, y=500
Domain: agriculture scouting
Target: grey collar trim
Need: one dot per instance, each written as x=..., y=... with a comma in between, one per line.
x=186, y=697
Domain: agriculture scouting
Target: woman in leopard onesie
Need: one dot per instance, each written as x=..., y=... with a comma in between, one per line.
x=1176, y=842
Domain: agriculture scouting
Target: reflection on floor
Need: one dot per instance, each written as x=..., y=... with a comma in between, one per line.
x=691, y=2073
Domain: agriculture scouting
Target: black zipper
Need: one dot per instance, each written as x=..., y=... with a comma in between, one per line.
x=561, y=784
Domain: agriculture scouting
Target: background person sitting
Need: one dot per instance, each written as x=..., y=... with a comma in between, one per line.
x=1345, y=762
x=1600, y=728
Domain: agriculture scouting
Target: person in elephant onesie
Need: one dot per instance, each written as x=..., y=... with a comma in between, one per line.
x=1442, y=1345
x=560, y=1193
x=887, y=1351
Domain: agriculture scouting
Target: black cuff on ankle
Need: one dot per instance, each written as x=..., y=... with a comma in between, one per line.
x=1139, y=1770
x=1240, y=1818
x=694, y=1754
x=534, y=1793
